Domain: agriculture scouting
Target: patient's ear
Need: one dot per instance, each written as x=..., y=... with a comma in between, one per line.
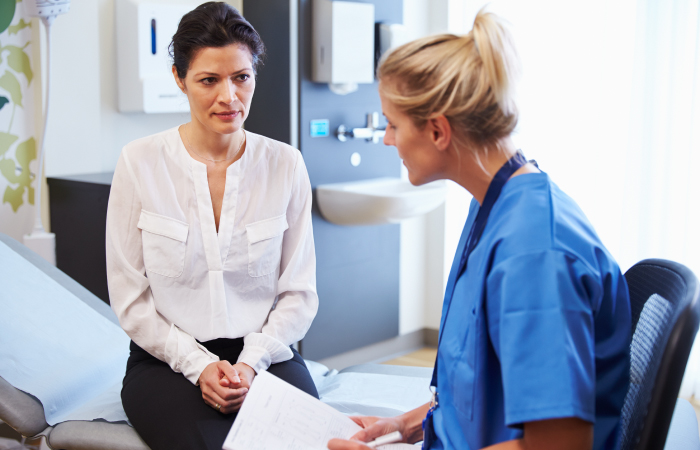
x=180, y=83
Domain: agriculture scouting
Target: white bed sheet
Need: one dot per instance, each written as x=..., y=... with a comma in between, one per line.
x=371, y=394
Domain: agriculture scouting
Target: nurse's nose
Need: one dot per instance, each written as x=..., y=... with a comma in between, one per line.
x=388, y=136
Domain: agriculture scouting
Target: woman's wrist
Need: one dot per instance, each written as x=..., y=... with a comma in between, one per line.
x=250, y=371
x=412, y=423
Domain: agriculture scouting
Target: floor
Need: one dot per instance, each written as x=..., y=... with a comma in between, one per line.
x=425, y=357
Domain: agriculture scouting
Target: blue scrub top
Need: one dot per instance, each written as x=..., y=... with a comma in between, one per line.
x=538, y=327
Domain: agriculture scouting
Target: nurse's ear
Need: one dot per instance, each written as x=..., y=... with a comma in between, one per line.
x=440, y=132
x=180, y=83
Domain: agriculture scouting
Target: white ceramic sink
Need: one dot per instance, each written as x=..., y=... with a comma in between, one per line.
x=377, y=201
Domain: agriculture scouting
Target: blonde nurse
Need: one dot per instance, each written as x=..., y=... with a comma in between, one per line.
x=535, y=332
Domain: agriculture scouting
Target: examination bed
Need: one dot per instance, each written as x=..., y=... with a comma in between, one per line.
x=63, y=356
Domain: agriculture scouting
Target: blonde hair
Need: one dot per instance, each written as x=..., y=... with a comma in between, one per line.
x=470, y=79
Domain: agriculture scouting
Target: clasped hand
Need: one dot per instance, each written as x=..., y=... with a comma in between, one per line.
x=224, y=386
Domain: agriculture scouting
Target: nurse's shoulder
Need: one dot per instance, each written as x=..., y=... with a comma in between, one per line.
x=537, y=216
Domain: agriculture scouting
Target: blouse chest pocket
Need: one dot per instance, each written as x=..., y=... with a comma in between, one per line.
x=164, y=244
x=265, y=245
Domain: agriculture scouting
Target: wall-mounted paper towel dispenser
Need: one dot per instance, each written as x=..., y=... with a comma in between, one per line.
x=343, y=44
x=391, y=35
x=144, y=31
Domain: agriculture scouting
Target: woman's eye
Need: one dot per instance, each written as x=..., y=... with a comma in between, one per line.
x=243, y=77
x=209, y=80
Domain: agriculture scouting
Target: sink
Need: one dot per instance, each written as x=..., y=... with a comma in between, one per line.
x=377, y=201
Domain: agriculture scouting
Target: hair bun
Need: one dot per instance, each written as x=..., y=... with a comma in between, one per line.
x=495, y=47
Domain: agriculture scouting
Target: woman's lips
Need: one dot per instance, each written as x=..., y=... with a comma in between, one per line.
x=227, y=115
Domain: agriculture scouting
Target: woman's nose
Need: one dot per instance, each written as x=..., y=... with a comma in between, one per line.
x=227, y=94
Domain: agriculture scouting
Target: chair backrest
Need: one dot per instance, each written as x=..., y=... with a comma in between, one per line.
x=665, y=316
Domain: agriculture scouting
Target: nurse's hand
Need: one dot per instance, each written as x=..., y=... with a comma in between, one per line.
x=224, y=396
x=341, y=444
x=373, y=427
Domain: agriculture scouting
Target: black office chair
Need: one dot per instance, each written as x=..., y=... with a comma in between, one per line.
x=665, y=316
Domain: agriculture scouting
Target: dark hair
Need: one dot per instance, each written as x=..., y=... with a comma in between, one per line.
x=212, y=24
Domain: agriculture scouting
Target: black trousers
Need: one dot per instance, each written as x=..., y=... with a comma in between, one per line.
x=168, y=411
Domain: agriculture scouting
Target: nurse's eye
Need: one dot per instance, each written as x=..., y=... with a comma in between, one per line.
x=208, y=81
x=243, y=77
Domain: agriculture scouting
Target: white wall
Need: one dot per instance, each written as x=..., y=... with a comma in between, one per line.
x=422, y=271
x=86, y=131
x=73, y=143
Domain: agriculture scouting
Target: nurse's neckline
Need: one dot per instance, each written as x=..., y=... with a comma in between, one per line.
x=527, y=169
x=523, y=178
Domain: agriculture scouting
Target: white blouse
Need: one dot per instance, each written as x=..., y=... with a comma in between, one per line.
x=174, y=281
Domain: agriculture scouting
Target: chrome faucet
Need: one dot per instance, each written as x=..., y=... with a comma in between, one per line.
x=371, y=133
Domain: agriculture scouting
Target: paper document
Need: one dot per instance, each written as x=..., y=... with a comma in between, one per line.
x=278, y=416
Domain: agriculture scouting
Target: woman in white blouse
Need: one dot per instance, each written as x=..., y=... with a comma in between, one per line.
x=210, y=253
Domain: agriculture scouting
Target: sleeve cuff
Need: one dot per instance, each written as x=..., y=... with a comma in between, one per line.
x=194, y=364
x=261, y=350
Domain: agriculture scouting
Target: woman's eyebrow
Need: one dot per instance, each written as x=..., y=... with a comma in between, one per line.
x=198, y=74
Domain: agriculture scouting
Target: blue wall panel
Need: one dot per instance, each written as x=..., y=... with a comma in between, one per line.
x=357, y=267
